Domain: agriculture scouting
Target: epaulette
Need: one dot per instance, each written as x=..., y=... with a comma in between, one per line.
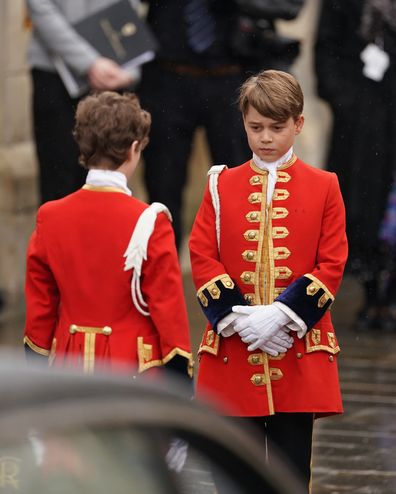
x=136, y=251
x=213, y=174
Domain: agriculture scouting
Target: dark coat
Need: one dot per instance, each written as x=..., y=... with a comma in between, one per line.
x=362, y=148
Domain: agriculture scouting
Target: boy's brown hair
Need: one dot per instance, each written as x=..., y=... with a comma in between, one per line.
x=106, y=125
x=274, y=94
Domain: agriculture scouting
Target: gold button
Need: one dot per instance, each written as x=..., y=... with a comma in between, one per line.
x=299, y=355
x=107, y=330
x=246, y=277
x=249, y=298
x=228, y=283
x=312, y=289
x=250, y=255
x=253, y=216
x=254, y=197
x=214, y=291
x=255, y=359
x=73, y=329
x=252, y=234
x=331, y=358
x=225, y=360
x=258, y=379
x=256, y=179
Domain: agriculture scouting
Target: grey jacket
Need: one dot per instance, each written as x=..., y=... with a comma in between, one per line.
x=53, y=33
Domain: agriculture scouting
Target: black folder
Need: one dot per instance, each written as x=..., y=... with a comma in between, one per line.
x=116, y=32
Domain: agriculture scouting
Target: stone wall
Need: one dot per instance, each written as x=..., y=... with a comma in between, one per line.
x=18, y=188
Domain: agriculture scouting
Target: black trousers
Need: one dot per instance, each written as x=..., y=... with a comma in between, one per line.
x=53, y=122
x=178, y=107
x=286, y=435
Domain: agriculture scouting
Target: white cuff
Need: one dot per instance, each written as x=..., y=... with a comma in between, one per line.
x=225, y=327
x=296, y=323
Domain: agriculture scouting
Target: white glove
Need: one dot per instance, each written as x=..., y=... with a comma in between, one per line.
x=279, y=343
x=177, y=454
x=262, y=326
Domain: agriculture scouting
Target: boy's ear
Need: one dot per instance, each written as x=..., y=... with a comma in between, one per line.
x=134, y=151
x=299, y=124
x=135, y=147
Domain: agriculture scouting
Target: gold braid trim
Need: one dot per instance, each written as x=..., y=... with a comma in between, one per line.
x=145, y=352
x=224, y=278
x=103, y=188
x=288, y=163
x=182, y=353
x=323, y=286
x=42, y=351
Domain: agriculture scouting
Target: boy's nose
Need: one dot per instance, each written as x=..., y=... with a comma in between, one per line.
x=266, y=137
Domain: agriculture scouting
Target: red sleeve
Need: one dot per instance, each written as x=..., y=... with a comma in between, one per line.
x=311, y=295
x=333, y=247
x=42, y=295
x=162, y=289
x=216, y=291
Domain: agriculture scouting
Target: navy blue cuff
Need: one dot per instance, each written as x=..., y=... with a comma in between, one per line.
x=217, y=297
x=308, y=297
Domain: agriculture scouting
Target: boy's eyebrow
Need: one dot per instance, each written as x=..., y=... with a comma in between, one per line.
x=274, y=122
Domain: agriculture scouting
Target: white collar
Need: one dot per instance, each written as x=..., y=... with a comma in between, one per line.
x=265, y=165
x=108, y=178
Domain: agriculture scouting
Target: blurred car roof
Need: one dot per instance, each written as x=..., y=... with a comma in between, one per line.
x=53, y=401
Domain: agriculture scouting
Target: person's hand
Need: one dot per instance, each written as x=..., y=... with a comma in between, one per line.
x=105, y=74
x=264, y=324
x=280, y=342
x=177, y=454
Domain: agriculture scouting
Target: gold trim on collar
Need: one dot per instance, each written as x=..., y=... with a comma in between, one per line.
x=256, y=169
x=103, y=188
x=287, y=164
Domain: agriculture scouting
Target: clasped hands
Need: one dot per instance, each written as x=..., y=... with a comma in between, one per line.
x=264, y=327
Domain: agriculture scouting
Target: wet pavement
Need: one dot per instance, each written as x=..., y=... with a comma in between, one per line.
x=354, y=452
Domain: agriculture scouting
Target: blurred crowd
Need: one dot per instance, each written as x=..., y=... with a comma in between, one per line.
x=206, y=50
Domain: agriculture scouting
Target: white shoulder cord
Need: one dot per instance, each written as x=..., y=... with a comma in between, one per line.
x=136, y=251
x=214, y=173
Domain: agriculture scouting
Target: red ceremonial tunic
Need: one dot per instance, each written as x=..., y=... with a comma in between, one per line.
x=293, y=250
x=78, y=296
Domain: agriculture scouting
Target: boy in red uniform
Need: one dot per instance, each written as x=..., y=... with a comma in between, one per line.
x=268, y=249
x=103, y=283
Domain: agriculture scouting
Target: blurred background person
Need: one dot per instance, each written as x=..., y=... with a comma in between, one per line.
x=207, y=47
x=355, y=55
x=53, y=108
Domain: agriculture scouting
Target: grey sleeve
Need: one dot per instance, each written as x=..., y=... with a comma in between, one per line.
x=57, y=36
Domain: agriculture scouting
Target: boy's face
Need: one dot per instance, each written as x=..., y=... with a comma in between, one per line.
x=270, y=139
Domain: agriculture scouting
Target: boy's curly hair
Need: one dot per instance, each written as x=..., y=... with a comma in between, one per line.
x=106, y=125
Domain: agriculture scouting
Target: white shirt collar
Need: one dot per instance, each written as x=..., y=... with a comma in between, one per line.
x=265, y=165
x=272, y=170
x=108, y=178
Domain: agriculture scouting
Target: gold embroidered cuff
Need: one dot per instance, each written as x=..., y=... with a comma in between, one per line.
x=42, y=351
